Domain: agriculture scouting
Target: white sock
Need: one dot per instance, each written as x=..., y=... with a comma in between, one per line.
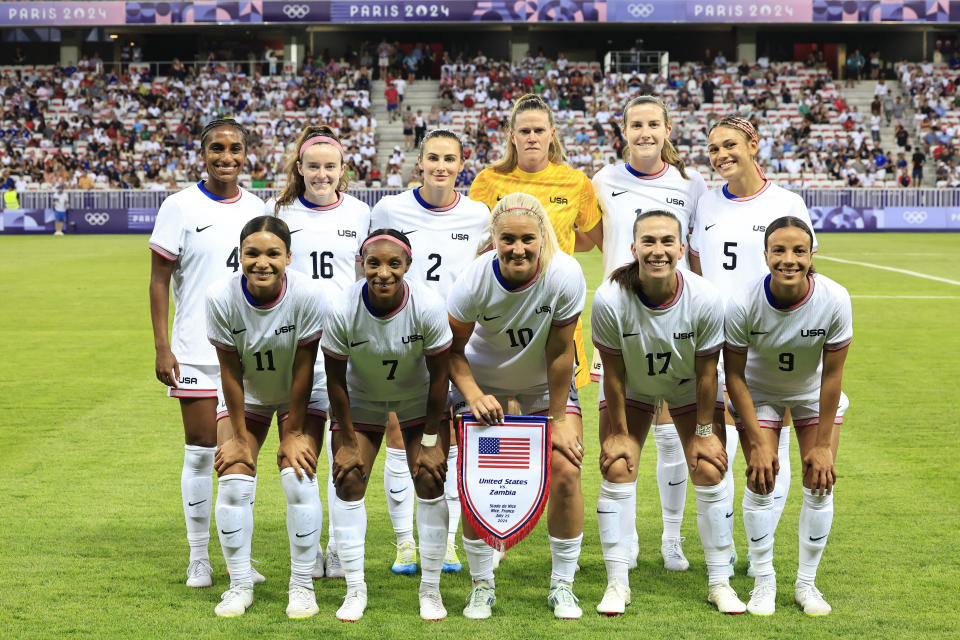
x=782, y=488
x=758, y=523
x=616, y=514
x=432, y=531
x=715, y=535
x=351, y=526
x=816, y=518
x=331, y=492
x=304, y=521
x=196, y=492
x=565, y=554
x=671, y=478
x=452, y=495
x=480, y=559
x=398, y=486
x=234, y=513
x=733, y=439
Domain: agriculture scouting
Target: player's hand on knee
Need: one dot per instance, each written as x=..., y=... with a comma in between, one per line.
x=233, y=452
x=818, y=471
x=432, y=463
x=295, y=450
x=346, y=460
x=763, y=464
x=709, y=449
x=565, y=440
x=487, y=409
x=616, y=447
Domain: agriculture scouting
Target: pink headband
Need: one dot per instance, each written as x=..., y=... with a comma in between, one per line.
x=745, y=126
x=320, y=140
x=384, y=236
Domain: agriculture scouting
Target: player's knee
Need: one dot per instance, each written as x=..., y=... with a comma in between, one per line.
x=706, y=474
x=618, y=472
x=240, y=468
x=427, y=486
x=564, y=476
x=352, y=487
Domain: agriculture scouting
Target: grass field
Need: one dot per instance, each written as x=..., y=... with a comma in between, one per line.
x=91, y=529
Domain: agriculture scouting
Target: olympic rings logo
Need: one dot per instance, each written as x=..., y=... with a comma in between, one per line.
x=296, y=11
x=97, y=218
x=638, y=10
x=914, y=217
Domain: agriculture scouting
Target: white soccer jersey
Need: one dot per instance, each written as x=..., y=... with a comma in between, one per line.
x=728, y=233
x=325, y=240
x=386, y=353
x=202, y=234
x=785, y=346
x=659, y=343
x=506, y=350
x=265, y=336
x=623, y=194
x=444, y=240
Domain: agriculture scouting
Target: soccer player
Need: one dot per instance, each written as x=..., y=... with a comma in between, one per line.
x=331, y=225
x=194, y=243
x=659, y=331
x=787, y=337
x=446, y=232
x=266, y=324
x=726, y=247
x=652, y=178
x=386, y=349
x=513, y=316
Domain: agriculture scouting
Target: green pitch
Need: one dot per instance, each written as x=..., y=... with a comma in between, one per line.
x=92, y=537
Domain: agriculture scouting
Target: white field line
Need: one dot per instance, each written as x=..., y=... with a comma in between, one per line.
x=893, y=269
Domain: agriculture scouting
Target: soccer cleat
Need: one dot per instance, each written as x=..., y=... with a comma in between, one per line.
x=725, y=598
x=332, y=568
x=497, y=557
x=634, y=554
x=319, y=567
x=302, y=602
x=235, y=601
x=480, y=601
x=406, y=562
x=563, y=602
x=763, y=599
x=672, y=551
x=199, y=574
x=810, y=600
x=615, y=599
x=431, y=605
x=353, y=605
x=451, y=563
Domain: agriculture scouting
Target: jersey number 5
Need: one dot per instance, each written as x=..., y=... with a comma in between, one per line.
x=732, y=264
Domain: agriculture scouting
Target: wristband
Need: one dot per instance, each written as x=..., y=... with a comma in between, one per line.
x=428, y=440
x=704, y=430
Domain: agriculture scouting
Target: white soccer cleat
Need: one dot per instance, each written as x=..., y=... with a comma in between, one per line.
x=563, y=602
x=353, y=605
x=763, y=599
x=811, y=600
x=431, y=605
x=725, y=598
x=480, y=601
x=497, y=557
x=235, y=601
x=332, y=568
x=319, y=567
x=199, y=574
x=672, y=551
x=615, y=599
x=302, y=602
x=406, y=561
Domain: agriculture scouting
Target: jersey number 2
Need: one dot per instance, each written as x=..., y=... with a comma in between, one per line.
x=430, y=272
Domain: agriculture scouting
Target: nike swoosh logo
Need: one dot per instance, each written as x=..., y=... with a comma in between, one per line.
x=304, y=535
x=760, y=538
x=295, y=230
x=758, y=333
x=227, y=533
x=812, y=539
x=674, y=484
x=627, y=335
x=617, y=193
x=406, y=233
x=236, y=331
x=400, y=491
x=730, y=515
x=707, y=228
x=598, y=511
x=491, y=317
x=199, y=229
x=357, y=344
x=193, y=504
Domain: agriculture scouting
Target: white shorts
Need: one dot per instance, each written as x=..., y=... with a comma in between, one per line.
x=533, y=400
x=683, y=399
x=264, y=414
x=371, y=416
x=804, y=412
x=197, y=381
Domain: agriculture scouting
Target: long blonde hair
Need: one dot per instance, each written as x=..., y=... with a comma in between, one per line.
x=668, y=153
x=524, y=204
x=555, y=152
x=295, y=184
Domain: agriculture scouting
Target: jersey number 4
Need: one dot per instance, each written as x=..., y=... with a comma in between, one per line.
x=233, y=260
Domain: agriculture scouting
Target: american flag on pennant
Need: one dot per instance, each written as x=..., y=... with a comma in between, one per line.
x=503, y=453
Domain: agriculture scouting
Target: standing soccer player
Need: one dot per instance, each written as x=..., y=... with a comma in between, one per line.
x=194, y=244
x=659, y=331
x=513, y=316
x=652, y=178
x=266, y=324
x=330, y=225
x=386, y=349
x=787, y=338
x=446, y=232
x=726, y=247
